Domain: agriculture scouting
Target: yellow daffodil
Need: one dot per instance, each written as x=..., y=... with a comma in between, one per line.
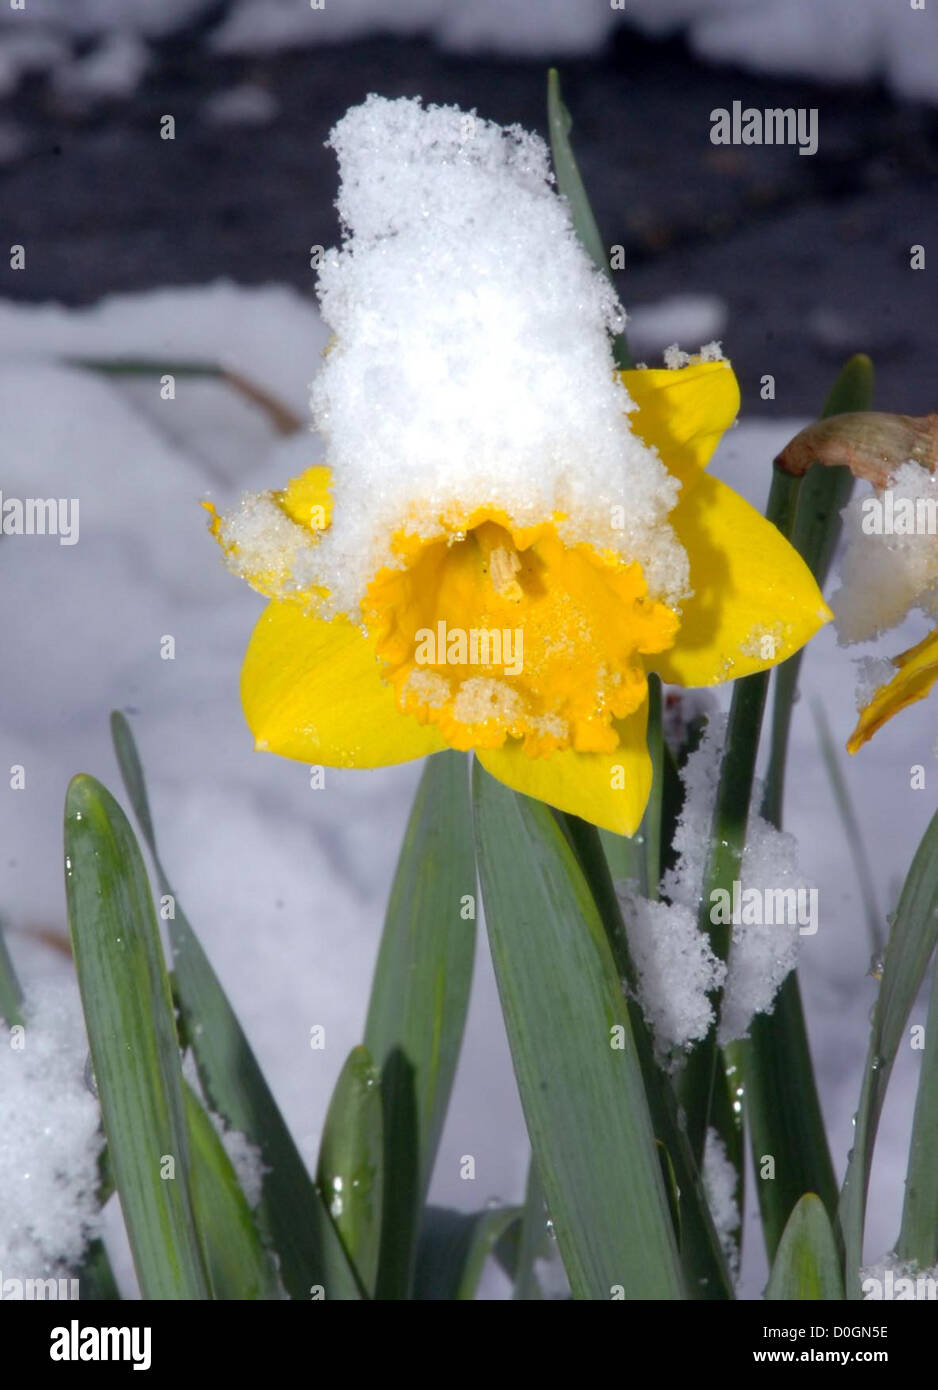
x=566, y=724
x=916, y=673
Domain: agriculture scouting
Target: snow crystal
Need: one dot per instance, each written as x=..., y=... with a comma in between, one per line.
x=885, y=573
x=246, y=1160
x=676, y=971
x=472, y=361
x=675, y=357
x=691, y=318
x=720, y=1184
x=872, y=674
x=763, y=954
x=892, y=1279
x=50, y=1139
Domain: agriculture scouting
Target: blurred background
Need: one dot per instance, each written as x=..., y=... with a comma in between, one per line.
x=197, y=249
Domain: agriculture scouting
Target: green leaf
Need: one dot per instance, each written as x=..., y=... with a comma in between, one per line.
x=129, y=1016
x=702, y=1072
x=570, y=185
x=783, y=1113
x=823, y=495
x=419, y=1000
x=11, y=996
x=908, y=951
x=96, y=1282
x=239, y=1264
x=574, y=1054
x=533, y=1240
x=291, y=1211
x=918, y=1239
x=851, y=825
x=351, y=1164
x=783, y=1110
x=807, y=1265
x=453, y=1249
x=702, y=1257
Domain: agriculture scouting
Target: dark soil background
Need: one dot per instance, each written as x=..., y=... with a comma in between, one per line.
x=810, y=254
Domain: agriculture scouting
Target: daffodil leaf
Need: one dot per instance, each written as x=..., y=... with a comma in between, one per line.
x=702, y=1257
x=419, y=1000
x=807, y=1264
x=290, y=1211
x=823, y=494
x=96, y=1282
x=132, y=1034
x=454, y=1247
x=910, y=947
x=11, y=996
x=351, y=1164
x=574, y=1054
x=239, y=1265
x=783, y=1110
x=851, y=825
x=570, y=185
x=533, y=1242
x=918, y=1238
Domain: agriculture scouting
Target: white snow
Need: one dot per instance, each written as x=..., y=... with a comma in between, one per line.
x=720, y=1184
x=246, y=104
x=676, y=971
x=885, y=574
x=286, y=885
x=899, y=1280
x=762, y=953
x=49, y=1138
x=110, y=72
x=471, y=365
x=681, y=318
x=839, y=41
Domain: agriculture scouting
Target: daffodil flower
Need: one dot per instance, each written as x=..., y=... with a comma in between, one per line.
x=569, y=726
x=890, y=563
x=916, y=674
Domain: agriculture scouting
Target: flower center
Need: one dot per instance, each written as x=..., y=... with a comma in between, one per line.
x=497, y=631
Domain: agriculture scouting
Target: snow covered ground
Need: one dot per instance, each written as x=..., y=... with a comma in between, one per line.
x=829, y=40
x=285, y=884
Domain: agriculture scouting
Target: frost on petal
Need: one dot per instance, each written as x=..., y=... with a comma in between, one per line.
x=50, y=1139
x=471, y=361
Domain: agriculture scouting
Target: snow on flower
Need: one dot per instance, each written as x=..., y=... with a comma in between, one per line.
x=889, y=569
x=488, y=471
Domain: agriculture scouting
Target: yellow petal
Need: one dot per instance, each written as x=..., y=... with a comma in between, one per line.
x=312, y=690
x=917, y=673
x=755, y=601
x=608, y=789
x=307, y=499
x=683, y=413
